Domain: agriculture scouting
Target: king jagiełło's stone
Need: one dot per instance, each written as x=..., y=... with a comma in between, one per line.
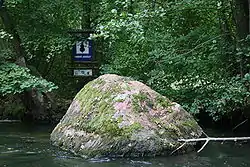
x=117, y=116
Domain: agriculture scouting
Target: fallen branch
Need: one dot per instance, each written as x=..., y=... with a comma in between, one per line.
x=207, y=139
x=178, y=148
x=204, y=145
x=215, y=139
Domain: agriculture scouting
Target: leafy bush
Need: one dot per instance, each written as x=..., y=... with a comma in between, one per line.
x=15, y=79
x=219, y=99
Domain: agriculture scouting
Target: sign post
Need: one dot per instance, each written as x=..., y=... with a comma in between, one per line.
x=83, y=59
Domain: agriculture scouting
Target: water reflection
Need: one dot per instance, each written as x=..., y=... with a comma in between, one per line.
x=28, y=146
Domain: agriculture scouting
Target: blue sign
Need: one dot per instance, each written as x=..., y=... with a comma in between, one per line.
x=83, y=51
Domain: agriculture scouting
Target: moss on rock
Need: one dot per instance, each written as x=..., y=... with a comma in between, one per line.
x=116, y=116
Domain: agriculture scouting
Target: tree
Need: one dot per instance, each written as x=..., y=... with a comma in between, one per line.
x=16, y=79
x=178, y=48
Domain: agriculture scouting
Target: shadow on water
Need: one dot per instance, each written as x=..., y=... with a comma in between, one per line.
x=28, y=146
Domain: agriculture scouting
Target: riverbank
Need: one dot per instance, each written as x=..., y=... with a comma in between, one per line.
x=11, y=108
x=15, y=111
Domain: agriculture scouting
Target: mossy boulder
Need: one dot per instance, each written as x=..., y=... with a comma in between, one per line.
x=117, y=116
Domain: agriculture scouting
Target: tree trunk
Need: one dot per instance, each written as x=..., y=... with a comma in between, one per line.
x=86, y=15
x=31, y=99
x=242, y=23
x=16, y=41
x=248, y=59
x=242, y=18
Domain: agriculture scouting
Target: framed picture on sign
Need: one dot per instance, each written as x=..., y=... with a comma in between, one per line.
x=82, y=47
x=82, y=51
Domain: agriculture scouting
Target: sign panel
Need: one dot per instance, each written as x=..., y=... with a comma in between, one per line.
x=82, y=51
x=83, y=72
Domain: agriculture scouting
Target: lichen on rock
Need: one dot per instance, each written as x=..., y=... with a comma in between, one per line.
x=117, y=116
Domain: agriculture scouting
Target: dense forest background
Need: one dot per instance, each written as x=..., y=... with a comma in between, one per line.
x=196, y=53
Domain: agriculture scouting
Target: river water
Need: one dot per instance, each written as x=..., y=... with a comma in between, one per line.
x=28, y=146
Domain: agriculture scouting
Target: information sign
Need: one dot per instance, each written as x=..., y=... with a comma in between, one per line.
x=83, y=51
x=83, y=72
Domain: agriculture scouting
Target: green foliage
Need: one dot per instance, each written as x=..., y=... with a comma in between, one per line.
x=42, y=26
x=15, y=79
x=186, y=51
x=180, y=49
x=219, y=99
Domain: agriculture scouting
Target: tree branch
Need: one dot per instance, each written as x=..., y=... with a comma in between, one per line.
x=239, y=124
x=204, y=145
x=215, y=139
x=178, y=148
x=207, y=139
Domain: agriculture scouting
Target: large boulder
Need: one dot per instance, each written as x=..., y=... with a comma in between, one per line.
x=117, y=116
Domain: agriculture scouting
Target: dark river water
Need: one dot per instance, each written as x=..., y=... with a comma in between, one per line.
x=29, y=146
